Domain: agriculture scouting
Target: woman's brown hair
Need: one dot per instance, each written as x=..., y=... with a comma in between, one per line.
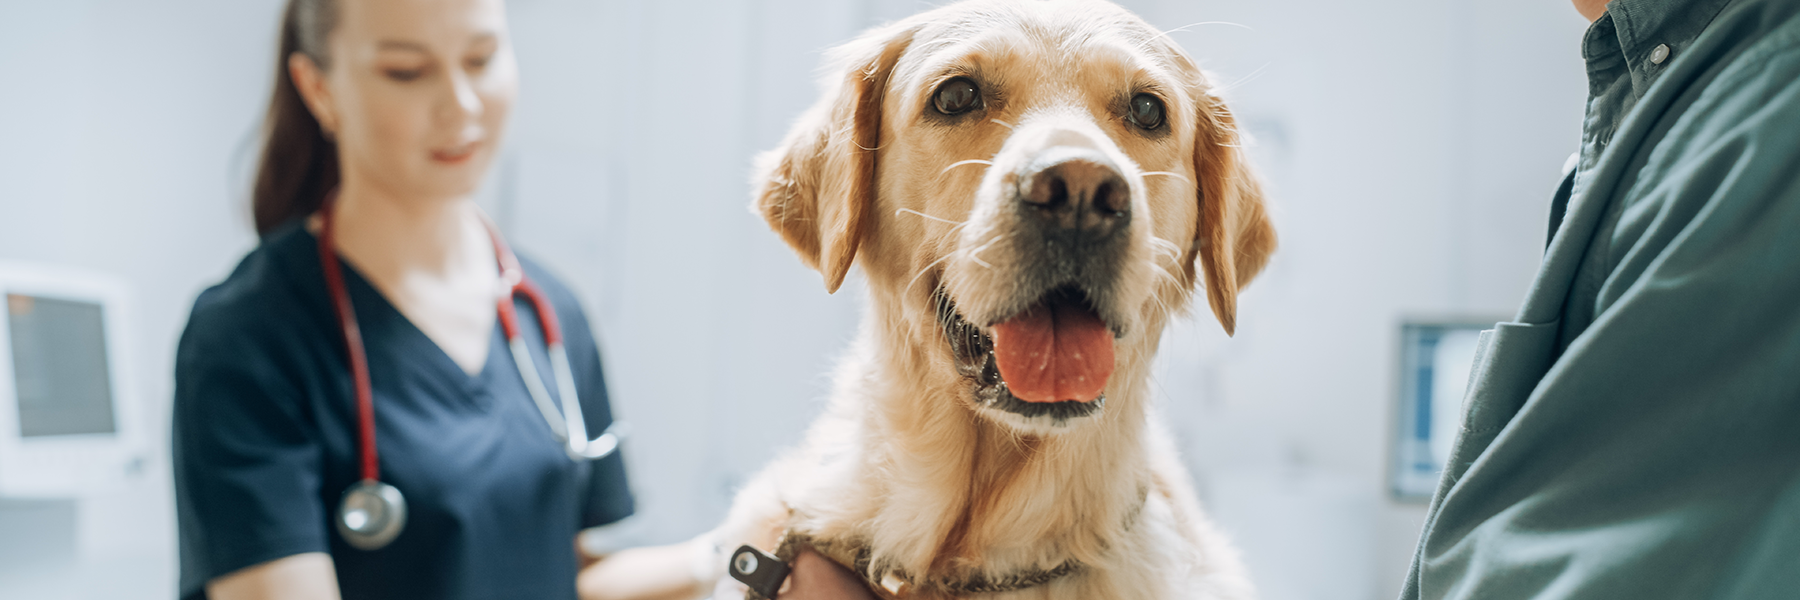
x=299, y=164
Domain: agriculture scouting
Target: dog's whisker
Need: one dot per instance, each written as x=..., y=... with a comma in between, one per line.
x=1158, y=262
x=1241, y=81
x=1003, y=123
x=972, y=161
x=924, y=270
x=1166, y=246
x=1157, y=297
x=1160, y=303
x=1144, y=46
x=848, y=133
x=938, y=219
x=1227, y=23
x=1164, y=272
x=975, y=255
x=1165, y=173
x=1186, y=27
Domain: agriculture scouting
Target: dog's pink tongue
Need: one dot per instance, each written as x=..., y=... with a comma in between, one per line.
x=1052, y=354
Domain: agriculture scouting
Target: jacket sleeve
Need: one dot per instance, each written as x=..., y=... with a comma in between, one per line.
x=1700, y=319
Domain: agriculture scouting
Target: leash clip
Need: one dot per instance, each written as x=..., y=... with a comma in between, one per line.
x=758, y=570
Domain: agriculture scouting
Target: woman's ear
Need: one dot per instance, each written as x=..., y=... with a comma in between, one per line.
x=1234, y=237
x=818, y=188
x=309, y=80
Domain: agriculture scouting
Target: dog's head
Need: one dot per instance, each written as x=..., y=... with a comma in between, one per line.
x=1027, y=185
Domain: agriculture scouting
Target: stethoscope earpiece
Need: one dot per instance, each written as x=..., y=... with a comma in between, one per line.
x=371, y=514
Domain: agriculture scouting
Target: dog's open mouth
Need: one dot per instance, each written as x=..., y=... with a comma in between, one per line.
x=1052, y=359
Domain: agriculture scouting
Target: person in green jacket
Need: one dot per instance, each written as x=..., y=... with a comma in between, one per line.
x=1635, y=432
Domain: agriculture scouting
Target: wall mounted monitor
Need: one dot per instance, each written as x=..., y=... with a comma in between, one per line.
x=67, y=423
x=1436, y=356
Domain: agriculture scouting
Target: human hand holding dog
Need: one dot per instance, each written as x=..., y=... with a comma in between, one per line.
x=815, y=577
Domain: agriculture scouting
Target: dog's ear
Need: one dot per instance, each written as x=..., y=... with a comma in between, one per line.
x=1234, y=237
x=818, y=188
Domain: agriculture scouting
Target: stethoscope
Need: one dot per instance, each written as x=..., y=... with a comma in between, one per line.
x=372, y=513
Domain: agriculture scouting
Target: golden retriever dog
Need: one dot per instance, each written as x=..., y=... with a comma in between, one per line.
x=1033, y=189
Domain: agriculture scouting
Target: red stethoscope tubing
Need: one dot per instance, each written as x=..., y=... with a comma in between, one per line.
x=514, y=275
x=359, y=360
x=510, y=272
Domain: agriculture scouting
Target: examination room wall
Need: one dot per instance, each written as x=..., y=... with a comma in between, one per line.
x=1411, y=147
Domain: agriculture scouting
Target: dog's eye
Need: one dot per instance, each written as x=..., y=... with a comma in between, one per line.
x=1146, y=111
x=957, y=96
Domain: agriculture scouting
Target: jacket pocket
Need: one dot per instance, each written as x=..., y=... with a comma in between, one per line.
x=1510, y=360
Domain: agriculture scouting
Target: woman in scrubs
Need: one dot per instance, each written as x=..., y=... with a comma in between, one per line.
x=389, y=113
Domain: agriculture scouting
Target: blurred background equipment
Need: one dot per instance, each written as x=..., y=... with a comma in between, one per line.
x=1435, y=361
x=66, y=426
x=71, y=426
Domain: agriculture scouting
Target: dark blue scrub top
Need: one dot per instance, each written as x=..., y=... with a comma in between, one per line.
x=265, y=440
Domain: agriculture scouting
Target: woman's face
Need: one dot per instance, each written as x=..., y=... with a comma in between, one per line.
x=416, y=92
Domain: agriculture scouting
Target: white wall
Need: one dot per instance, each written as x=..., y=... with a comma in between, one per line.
x=1411, y=146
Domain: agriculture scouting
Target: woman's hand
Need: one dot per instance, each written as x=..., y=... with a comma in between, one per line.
x=693, y=568
x=309, y=576
x=648, y=573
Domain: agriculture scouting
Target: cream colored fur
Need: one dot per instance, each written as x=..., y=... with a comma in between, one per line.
x=904, y=460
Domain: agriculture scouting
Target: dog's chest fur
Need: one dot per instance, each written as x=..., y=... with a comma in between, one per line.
x=937, y=496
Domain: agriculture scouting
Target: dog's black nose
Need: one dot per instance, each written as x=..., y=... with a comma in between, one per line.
x=1075, y=192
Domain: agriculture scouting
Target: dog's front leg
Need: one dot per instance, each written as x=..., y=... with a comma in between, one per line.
x=758, y=516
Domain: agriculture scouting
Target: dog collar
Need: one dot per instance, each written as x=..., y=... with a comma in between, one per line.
x=896, y=585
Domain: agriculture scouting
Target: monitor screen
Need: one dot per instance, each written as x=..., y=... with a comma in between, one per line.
x=1436, y=358
x=59, y=365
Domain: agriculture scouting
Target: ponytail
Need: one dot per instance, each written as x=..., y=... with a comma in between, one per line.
x=299, y=165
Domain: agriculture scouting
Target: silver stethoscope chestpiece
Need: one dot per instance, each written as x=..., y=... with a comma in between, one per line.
x=371, y=514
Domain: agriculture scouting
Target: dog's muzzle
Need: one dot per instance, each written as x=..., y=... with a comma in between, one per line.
x=1048, y=350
